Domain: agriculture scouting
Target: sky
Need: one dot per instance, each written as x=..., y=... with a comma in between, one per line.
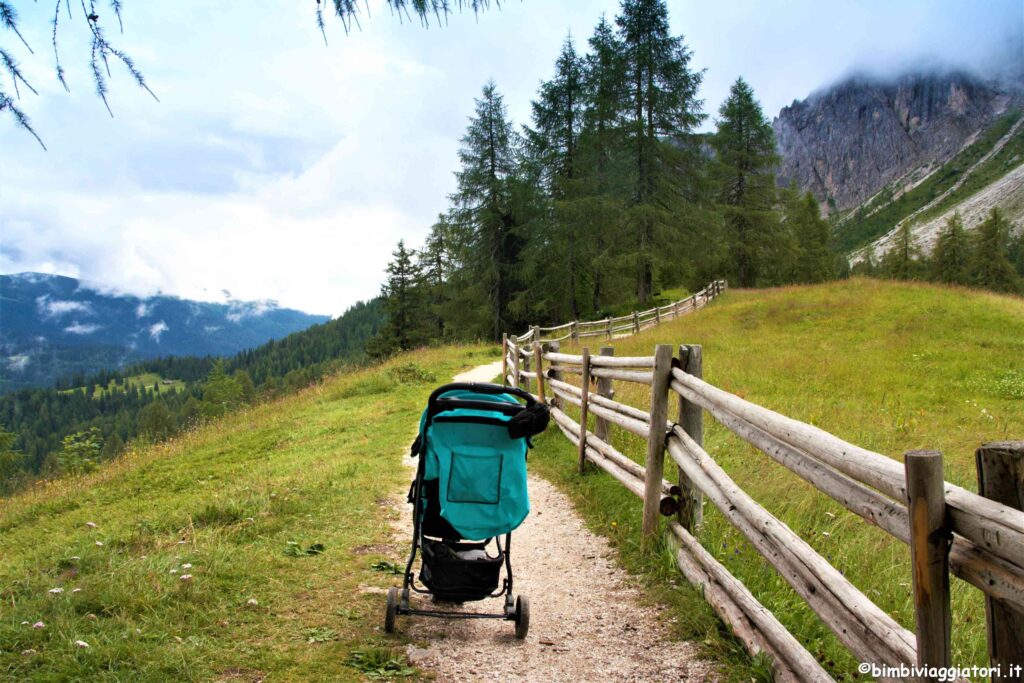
x=277, y=167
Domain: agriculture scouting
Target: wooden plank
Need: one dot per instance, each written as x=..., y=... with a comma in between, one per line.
x=623, y=361
x=754, y=624
x=584, y=404
x=554, y=346
x=1001, y=478
x=538, y=352
x=976, y=565
x=929, y=558
x=604, y=390
x=504, y=356
x=691, y=418
x=656, y=438
x=637, y=376
x=990, y=525
x=515, y=368
x=869, y=633
x=571, y=429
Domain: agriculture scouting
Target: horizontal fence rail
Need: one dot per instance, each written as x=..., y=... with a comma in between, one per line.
x=979, y=538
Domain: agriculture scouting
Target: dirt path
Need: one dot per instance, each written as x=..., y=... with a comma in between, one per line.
x=586, y=617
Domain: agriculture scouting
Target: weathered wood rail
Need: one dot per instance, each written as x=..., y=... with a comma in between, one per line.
x=624, y=325
x=979, y=538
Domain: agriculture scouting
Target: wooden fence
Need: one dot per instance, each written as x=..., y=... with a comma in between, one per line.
x=624, y=325
x=980, y=538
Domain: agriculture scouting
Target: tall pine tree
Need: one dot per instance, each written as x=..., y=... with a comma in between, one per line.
x=952, y=255
x=561, y=253
x=990, y=264
x=403, y=303
x=484, y=209
x=660, y=109
x=744, y=161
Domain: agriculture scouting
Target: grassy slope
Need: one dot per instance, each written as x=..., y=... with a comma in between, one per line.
x=147, y=380
x=227, y=498
x=888, y=366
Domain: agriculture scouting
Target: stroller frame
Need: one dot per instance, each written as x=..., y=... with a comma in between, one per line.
x=515, y=609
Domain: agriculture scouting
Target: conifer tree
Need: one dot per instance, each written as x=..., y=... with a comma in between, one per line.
x=952, y=255
x=660, y=109
x=560, y=243
x=484, y=210
x=403, y=303
x=903, y=260
x=990, y=264
x=604, y=165
x=745, y=158
x=815, y=260
x=437, y=262
x=221, y=393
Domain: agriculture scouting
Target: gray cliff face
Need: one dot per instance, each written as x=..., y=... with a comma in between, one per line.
x=846, y=142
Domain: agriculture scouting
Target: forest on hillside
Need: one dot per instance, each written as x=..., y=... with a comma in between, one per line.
x=611, y=193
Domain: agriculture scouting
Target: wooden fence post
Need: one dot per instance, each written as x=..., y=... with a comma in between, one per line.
x=574, y=331
x=930, y=539
x=691, y=418
x=538, y=353
x=515, y=361
x=504, y=357
x=584, y=405
x=655, y=465
x=604, y=388
x=527, y=362
x=608, y=329
x=657, y=316
x=1001, y=478
x=636, y=323
x=555, y=374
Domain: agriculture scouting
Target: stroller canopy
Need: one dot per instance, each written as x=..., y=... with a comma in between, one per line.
x=480, y=468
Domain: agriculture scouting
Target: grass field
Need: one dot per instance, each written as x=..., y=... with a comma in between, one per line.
x=234, y=505
x=147, y=380
x=887, y=366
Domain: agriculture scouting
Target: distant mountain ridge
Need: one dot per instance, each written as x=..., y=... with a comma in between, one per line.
x=52, y=325
x=844, y=143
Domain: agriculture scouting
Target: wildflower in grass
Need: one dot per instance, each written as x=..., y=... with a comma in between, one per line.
x=99, y=544
x=28, y=653
x=76, y=590
x=186, y=577
x=91, y=525
x=186, y=566
x=24, y=623
x=174, y=571
x=56, y=591
x=825, y=534
x=251, y=602
x=182, y=542
x=81, y=643
x=39, y=624
x=75, y=557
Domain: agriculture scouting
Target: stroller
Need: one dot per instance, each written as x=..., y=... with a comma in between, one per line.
x=470, y=489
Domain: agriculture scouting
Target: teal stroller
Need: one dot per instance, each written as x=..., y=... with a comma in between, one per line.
x=470, y=490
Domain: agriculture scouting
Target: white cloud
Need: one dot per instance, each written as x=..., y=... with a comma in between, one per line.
x=291, y=176
x=55, y=308
x=80, y=328
x=17, y=363
x=157, y=329
x=142, y=310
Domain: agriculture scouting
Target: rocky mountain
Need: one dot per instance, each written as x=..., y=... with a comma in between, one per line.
x=846, y=142
x=51, y=326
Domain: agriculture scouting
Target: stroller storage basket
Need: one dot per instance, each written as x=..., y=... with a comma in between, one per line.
x=454, y=579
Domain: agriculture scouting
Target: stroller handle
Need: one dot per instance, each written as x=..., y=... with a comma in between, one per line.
x=479, y=388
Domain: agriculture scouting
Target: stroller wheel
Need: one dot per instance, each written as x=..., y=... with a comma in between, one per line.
x=392, y=610
x=522, y=617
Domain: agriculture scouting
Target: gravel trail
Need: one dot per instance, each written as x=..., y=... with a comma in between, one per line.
x=587, y=621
